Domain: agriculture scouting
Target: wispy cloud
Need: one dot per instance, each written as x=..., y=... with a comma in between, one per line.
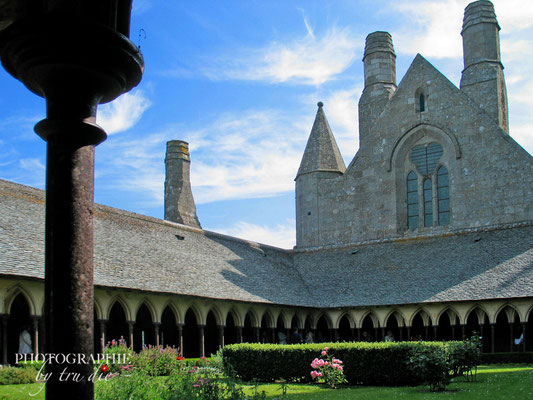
x=311, y=60
x=122, y=113
x=281, y=235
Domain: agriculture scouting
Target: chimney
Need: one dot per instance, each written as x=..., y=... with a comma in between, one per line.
x=482, y=79
x=179, y=202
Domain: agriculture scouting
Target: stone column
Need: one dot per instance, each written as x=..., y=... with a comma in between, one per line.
x=435, y=332
x=492, y=332
x=239, y=334
x=463, y=329
x=273, y=335
x=453, y=332
x=201, y=340
x=426, y=332
x=131, y=324
x=408, y=333
x=220, y=331
x=4, y=318
x=358, y=334
x=180, y=337
x=334, y=334
x=35, y=325
x=156, y=332
x=524, y=337
x=400, y=329
x=383, y=334
x=511, y=334
x=257, y=335
x=103, y=332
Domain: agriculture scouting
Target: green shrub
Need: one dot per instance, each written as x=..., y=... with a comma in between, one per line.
x=464, y=357
x=16, y=376
x=379, y=364
x=431, y=365
x=156, y=360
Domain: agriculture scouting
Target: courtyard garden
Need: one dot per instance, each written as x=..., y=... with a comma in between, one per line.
x=411, y=370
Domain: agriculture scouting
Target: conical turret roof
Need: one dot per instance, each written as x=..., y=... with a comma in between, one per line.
x=321, y=152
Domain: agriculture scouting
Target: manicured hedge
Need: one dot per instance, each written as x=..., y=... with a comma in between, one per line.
x=502, y=358
x=364, y=363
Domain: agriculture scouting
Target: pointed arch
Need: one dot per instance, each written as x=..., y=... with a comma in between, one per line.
x=219, y=318
x=505, y=307
x=236, y=315
x=192, y=307
x=98, y=308
x=14, y=292
x=172, y=307
x=268, y=319
x=145, y=301
x=398, y=315
x=296, y=322
x=474, y=308
x=426, y=318
x=373, y=317
x=118, y=299
x=254, y=317
x=452, y=314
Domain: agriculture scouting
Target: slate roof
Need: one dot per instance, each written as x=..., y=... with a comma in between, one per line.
x=138, y=252
x=321, y=152
x=484, y=265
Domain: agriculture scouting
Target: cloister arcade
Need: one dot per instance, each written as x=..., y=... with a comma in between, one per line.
x=200, y=326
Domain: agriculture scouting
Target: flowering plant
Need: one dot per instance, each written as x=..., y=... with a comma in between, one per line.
x=328, y=369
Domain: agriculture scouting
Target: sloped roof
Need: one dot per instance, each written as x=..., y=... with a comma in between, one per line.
x=321, y=152
x=137, y=252
x=481, y=265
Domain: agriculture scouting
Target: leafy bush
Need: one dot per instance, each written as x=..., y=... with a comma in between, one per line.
x=364, y=363
x=156, y=360
x=432, y=366
x=16, y=376
x=464, y=357
x=115, y=354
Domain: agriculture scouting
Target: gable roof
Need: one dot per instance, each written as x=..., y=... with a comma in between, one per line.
x=143, y=253
x=321, y=152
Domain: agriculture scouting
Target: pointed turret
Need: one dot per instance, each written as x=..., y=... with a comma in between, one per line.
x=321, y=152
x=321, y=164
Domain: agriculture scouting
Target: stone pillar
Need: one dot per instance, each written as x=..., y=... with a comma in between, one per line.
x=334, y=334
x=383, y=334
x=511, y=334
x=492, y=332
x=131, y=324
x=273, y=335
x=400, y=329
x=463, y=333
x=35, y=330
x=408, y=333
x=103, y=332
x=376, y=334
x=239, y=334
x=257, y=334
x=524, y=337
x=156, y=332
x=180, y=337
x=426, y=332
x=358, y=334
x=4, y=318
x=201, y=340
x=220, y=331
x=453, y=332
x=435, y=332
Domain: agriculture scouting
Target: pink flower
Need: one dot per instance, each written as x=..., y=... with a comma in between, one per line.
x=324, y=353
x=319, y=374
x=326, y=348
x=314, y=374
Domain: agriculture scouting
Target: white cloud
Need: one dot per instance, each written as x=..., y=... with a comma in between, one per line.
x=281, y=235
x=122, y=113
x=310, y=60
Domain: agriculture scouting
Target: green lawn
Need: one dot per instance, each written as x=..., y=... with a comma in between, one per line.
x=508, y=381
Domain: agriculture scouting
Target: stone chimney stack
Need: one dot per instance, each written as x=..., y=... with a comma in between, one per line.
x=380, y=80
x=179, y=202
x=483, y=80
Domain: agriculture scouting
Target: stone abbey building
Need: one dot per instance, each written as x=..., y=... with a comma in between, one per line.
x=427, y=233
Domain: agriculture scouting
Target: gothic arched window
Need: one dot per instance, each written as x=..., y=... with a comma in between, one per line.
x=422, y=102
x=443, y=195
x=412, y=200
x=431, y=181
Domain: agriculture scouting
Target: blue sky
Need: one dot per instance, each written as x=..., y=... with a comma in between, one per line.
x=239, y=80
